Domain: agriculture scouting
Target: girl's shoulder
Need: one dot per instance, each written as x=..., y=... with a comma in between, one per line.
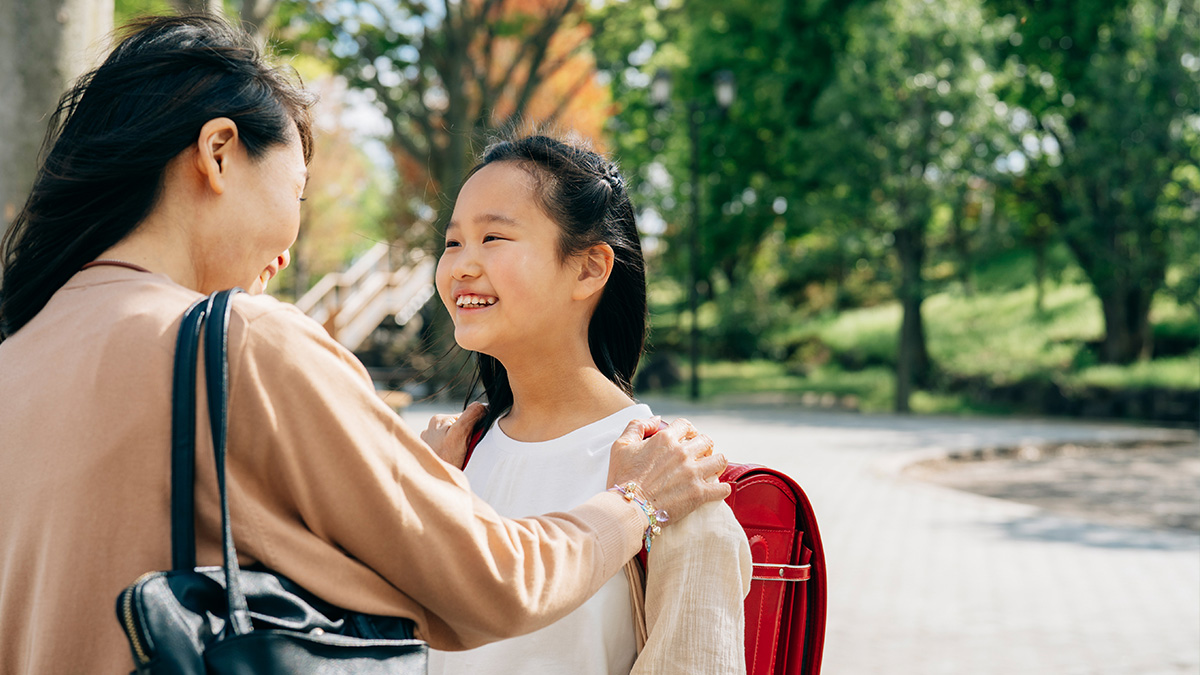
x=709, y=540
x=713, y=521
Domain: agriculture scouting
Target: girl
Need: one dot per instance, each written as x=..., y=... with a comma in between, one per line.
x=544, y=278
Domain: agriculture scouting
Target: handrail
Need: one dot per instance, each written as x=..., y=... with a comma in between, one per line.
x=351, y=304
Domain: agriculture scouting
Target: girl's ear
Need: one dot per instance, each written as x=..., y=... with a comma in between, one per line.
x=595, y=266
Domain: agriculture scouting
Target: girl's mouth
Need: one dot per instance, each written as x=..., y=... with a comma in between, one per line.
x=472, y=301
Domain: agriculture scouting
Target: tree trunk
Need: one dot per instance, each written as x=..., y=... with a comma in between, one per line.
x=255, y=17
x=1127, y=331
x=840, y=272
x=1039, y=274
x=961, y=240
x=1125, y=279
x=912, y=357
x=44, y=46
x=199, y=7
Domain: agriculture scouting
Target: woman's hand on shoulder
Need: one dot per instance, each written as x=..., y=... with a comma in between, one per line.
x=448, y=435
x=675, y=465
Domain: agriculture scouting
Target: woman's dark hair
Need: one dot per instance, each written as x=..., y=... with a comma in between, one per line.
x=586, y=196
x=115, y=131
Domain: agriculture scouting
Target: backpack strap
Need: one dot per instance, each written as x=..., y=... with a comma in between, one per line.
x=635, y=573
x=472, y=442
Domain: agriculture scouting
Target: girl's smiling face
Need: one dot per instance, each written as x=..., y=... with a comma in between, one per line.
x=501, y=276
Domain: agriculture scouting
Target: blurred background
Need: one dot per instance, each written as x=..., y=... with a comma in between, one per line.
x=984, y=206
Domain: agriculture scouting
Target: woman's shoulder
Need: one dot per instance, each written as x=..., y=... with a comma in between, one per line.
x=271, y=330
x=254, y=308
x=266, y=317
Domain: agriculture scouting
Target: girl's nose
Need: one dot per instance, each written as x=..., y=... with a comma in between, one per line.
x=284, y=259
x=466, y=264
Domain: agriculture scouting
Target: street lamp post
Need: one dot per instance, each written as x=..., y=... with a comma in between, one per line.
x=694, y=250
x=725, y=90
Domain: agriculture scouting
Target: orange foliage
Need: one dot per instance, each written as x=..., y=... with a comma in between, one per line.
x=570, y=99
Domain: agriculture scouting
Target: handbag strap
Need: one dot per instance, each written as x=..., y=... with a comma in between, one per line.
x=216, y=375
x=183, y=437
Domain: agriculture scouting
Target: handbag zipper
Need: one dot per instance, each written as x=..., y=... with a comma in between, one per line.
x=135, y=638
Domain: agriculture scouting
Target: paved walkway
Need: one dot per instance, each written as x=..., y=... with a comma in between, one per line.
x=926, y=579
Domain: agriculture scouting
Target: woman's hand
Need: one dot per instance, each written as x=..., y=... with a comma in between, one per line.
x=675, y=466
x=448, y=435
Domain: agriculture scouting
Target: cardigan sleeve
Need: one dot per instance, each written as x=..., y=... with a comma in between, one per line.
x=698, y=575
x=339, y=494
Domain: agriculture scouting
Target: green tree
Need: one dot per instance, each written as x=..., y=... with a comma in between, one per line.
x=904, y=128
x=780, y=55
x=1111, y=90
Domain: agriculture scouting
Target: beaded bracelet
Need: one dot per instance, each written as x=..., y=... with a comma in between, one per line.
x=632, y=492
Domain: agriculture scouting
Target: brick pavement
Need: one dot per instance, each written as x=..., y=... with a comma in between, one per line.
x=927, y=580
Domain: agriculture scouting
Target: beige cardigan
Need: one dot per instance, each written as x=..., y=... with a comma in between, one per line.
x=328, y=486
x=688, y=611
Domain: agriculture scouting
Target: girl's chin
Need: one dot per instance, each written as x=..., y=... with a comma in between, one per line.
x=470, y=342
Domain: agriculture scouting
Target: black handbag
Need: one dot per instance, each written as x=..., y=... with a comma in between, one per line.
x=224, y=620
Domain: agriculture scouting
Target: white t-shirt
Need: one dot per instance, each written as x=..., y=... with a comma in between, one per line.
x=526, y=479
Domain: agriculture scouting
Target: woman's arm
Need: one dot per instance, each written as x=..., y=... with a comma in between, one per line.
x=697, y=579
x=336, y=492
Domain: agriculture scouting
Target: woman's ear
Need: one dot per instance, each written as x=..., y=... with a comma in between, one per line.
x=214, y=148
x=595, y=266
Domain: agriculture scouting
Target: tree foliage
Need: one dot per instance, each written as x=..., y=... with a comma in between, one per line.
x=780, y=55
x=451, y=75
x=1111, y=91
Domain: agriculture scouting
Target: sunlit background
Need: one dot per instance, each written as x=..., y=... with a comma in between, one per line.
x=929, y=205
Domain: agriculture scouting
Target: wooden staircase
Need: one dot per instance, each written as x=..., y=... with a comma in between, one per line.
x=384, y=282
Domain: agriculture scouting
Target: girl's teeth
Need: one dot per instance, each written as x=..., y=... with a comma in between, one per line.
x=474, y=301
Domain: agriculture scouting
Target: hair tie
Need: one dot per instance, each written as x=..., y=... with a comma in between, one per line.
x=612, y=176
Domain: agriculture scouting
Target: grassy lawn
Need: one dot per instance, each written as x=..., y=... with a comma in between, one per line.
x=868, y=390
x=999, y=336
x=723, y=379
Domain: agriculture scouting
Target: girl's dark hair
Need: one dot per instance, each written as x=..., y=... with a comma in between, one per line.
x=115, y=131
x=586, y=196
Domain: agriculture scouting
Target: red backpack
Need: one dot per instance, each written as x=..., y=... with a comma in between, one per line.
x=785, y=609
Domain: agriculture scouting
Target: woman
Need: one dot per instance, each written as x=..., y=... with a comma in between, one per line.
x=176, y=169
x=544, y=278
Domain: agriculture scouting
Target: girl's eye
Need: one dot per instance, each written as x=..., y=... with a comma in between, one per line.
x=450, y=243
x=492, y=237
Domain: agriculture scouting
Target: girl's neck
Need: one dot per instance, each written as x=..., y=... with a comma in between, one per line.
x=552, y=398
